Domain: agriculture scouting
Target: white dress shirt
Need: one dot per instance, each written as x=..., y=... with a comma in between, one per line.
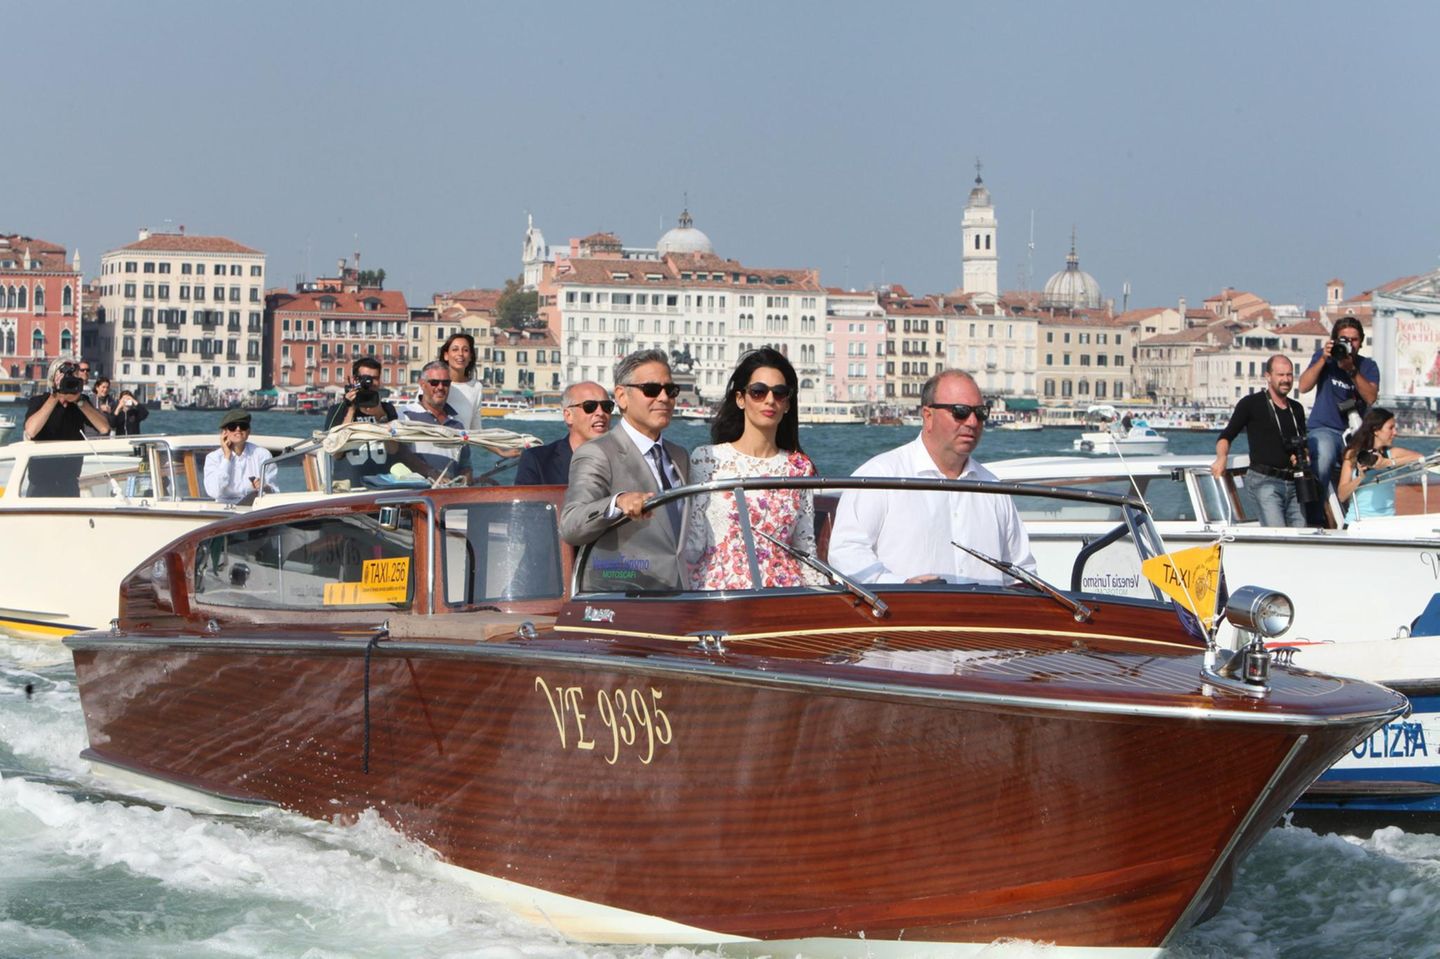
x=643, y=444
x=888, y=536
x=227, y=480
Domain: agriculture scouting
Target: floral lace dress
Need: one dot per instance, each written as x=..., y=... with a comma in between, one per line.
x=714, y=547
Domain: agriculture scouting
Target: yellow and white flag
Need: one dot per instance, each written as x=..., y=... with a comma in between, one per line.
x=1191, y=577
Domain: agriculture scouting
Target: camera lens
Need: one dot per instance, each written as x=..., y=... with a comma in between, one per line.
x=1368, y=457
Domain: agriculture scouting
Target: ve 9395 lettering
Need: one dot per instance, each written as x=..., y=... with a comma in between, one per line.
x=626, y=721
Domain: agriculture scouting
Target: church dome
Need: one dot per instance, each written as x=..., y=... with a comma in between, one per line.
x=685, y=238
x=1072, y=287
x=980, y=195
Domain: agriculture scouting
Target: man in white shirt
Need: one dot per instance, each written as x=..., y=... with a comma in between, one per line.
x=238, y=470
x=893, y=536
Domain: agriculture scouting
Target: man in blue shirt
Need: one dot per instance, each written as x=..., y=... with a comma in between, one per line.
x=444, y=463
x=1345, y=382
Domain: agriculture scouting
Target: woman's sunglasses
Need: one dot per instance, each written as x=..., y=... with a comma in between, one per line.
x=590, y=406
x=652, y=390
x=758, y=391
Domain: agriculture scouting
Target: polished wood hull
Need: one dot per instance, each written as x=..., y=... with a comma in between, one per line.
x=960, y=780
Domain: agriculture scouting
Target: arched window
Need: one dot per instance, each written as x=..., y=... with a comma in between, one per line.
x=37, y=343
x=39, y=298
x=10, y=298
x=66, y=341
x=67, y=298
x=21, y=297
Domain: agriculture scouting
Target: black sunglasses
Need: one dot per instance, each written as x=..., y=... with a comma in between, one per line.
x=589, y=406
x=652, y=390
x=757, y=391
x=235, y=427
x=962, y=411
x=444, y=383
x=84, y=369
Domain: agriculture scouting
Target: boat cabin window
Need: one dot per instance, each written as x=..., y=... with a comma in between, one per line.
x=501, y=551
x=332, y=563
x=182, y=473
x=118, y=474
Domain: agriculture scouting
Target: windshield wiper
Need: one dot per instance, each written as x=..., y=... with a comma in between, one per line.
x=1080, y=611
x=878, y=608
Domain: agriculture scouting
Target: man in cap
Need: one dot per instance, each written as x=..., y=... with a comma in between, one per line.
x=239, y=469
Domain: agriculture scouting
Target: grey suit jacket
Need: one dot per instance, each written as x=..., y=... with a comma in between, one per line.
x=644, y=554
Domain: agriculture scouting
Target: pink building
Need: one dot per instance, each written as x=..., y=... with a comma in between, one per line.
x=39, y=306
x=855, y=333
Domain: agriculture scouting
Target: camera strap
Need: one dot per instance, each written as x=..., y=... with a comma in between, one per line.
x=1297, y=422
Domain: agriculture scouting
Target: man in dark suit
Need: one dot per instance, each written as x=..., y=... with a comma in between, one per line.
x=617, y=473
x=587, y=410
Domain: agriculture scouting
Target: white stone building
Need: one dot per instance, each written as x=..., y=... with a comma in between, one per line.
x=184, y=317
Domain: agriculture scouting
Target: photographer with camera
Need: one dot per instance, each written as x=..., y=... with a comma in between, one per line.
x=1369, y=457
x=362, y=404
x=128, y=414
x=1274, y=427
x=1345, y=383
x=61, y=414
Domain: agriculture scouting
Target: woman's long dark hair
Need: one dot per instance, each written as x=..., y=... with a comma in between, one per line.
x=1364, y=437
x=469, y=370
x=729, y=421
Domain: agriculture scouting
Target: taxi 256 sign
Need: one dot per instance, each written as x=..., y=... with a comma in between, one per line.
x=622, y=721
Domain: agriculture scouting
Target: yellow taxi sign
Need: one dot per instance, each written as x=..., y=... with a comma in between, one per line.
x=381, y=581
x=1191, y=577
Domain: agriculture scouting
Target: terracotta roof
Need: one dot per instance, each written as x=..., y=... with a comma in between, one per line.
x=1305, y=327
x=474, y=300
x=186, y=243
x=49, y=256
x=351, y=305
x=602, y=271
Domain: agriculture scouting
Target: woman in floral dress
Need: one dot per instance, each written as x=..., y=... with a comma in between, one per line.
x=756, y=432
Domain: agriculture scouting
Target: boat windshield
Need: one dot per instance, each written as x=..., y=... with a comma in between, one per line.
x=773, y=534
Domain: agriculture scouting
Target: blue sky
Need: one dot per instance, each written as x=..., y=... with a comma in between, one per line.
x=1266, y=147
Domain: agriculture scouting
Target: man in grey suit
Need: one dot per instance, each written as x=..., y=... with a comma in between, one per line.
x=615, y=474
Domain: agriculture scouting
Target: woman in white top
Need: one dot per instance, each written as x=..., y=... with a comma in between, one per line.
x=756, y=430
x=458, y=353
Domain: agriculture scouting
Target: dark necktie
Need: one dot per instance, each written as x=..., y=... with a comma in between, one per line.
x=662, y=467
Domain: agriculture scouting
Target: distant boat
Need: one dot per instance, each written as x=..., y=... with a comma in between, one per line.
x=832, y=414
x=537, y=414
x=697, y=413
x=1122, y=434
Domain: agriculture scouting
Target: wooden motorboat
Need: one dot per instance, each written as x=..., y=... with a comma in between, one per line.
x=1396, y=773
x=922, y=767
x=65, y=556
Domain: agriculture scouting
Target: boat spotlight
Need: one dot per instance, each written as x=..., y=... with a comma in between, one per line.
x=1259, y=610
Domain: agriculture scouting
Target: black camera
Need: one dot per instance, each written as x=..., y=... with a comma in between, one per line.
x=1339, y=349
x=1307, y=488
x=1368, y=458
x=69, y=381
x=365, y=392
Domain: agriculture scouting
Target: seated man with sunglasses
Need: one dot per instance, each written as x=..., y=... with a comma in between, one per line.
x=893, y=536
x=587, y=411
x=617, y=473
x=238, y=470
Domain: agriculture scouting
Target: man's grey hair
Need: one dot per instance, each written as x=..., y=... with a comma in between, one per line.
x=639, y=358
x=58, y=362
x=434, y=365
x=932, y=385
x=568, y=397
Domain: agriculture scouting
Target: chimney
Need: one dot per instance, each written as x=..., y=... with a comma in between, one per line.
x=144, y=233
